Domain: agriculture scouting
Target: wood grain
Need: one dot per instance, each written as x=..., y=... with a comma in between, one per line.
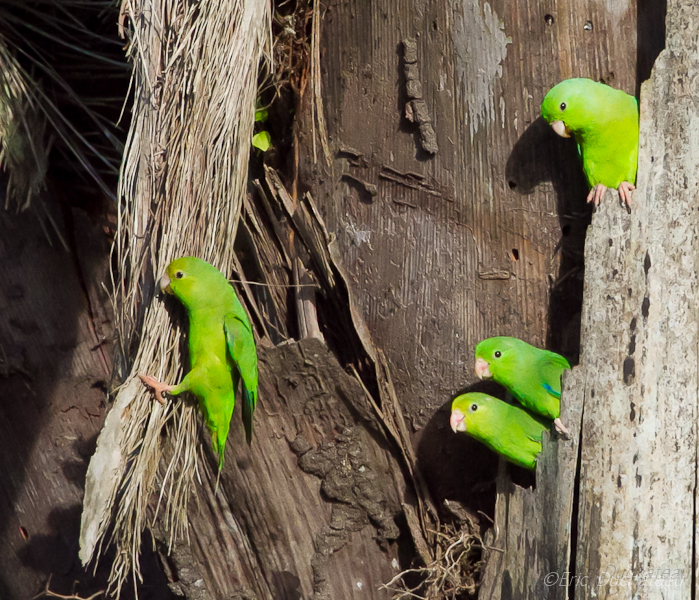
x=502, y=195
x=529, y=549
x=640, y=334
x=483, y=238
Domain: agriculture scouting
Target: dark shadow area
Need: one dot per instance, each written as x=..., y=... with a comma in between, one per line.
x=542, y=156
x=650, y=28
x=41, y=303
x=52, y=403
x=54, y=553
x=56, y=330
x=287, y=585
x=74, y=56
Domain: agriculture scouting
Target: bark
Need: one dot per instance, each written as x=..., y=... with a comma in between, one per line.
x=449, y=213
x=636, y=385
x=482, y=235
x=308, y=510
x=639, y=436
x=480, y=238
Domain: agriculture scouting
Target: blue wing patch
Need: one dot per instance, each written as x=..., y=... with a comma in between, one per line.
x=551, y=391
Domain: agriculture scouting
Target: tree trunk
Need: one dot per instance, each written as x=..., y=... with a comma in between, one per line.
x=636, y=385
x=639, y=437
x=449, y=212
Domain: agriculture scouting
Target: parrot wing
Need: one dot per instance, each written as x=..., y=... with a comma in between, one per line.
x=551, y=367
x=241, y=347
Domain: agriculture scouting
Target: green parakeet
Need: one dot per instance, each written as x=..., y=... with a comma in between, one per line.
x=508, y=430
x=604, y=123
x=533, y=376
x=221, y=347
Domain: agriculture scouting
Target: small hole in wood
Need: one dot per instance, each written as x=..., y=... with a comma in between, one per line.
x=434, y=25
x=587, y=26
x=515, y=253
x=549, y=20
x=512, y=184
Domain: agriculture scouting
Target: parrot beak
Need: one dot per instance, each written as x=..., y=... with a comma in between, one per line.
x=457, y=421
x=483, y=369
x=165, y=284
x=560, y=128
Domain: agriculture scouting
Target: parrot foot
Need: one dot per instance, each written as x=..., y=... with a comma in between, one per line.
x=625, y=189
x=157, y=386
x=596, y=193
x=561, y=428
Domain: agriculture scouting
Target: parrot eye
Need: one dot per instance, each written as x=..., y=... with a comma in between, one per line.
x=497, y=354
x=179, y=275
x=474, y=407
x=563, y=105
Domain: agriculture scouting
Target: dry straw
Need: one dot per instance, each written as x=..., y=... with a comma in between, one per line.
x=182, y=182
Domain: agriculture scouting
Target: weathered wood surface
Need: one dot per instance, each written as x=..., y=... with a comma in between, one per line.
x=528, y=550
x=638, y=446
x=481, y=238
x=308, y=510
x=431, y=259
x=640, y=338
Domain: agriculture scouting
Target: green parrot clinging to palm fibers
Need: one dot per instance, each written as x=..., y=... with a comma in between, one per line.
x=604, y=123
x=221, y=347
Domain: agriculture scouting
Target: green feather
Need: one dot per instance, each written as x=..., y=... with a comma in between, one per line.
x=506, y=429
x=604, y=123
x=221, y=346
x=532, y=375
x=241, y=346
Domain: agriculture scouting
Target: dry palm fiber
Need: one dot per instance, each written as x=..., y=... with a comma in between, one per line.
x=182, y=181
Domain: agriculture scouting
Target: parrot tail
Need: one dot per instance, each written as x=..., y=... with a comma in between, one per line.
x=249, y=402
x=220, y=448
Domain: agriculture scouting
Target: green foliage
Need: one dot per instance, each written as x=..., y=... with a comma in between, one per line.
x=262, y=141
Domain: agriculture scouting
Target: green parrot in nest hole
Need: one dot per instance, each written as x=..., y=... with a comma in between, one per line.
x=507, y=429
x=532, y=375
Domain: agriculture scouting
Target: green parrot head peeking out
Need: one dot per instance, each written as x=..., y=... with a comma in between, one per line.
x=470, y=411
x=569, y=107
x=506, y=429
x=497, y=356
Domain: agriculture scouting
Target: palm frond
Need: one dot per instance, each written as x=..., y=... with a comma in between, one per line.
x=52, y=53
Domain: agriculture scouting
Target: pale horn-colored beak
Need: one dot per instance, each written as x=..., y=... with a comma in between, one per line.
x=165, y=284
x=457, y=421
x=482, y=369
x=560, y=128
